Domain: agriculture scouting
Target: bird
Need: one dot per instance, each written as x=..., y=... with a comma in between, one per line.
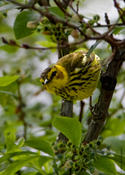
x=73, y=77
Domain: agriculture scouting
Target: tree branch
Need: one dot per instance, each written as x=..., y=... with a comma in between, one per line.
x=66, y=3
x=20, y=110
x=59, y=4
x=82, y=104
x=108, y=82
x=120, y=11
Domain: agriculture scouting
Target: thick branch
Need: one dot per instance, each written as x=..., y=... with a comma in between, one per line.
x=67, y=108
x=108, y=81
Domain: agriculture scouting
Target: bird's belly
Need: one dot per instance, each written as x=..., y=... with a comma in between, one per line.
x=77, y=90
x=76, y=93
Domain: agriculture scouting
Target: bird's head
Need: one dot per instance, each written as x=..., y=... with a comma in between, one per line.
x=54, y=77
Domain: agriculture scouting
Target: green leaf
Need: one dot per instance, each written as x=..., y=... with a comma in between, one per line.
x=38, y=163
x=112, y=129
x=9, y=49
x=21, y=142
x=18, y=154
x=17, y=165
x=10, y=136
x=4, y=8
x=70, y=127
x=20, y=24
x=6, y=80
x=43, y=159
x=116, y=144
x=47, y=43
x=118, y=29
x=8, y=96
x=48, y=168
x=8, y=93
x=40, y=144
x=56, y=12
x=105, y=165
x=5, y=28
x=119, y=159
x=35, y=160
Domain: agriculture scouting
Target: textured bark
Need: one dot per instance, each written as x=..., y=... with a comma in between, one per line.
x=67, y=108
x=108, y=83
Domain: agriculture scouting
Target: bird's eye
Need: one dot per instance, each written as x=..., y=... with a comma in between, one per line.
x=53, y=74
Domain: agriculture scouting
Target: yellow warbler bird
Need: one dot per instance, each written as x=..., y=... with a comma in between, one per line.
x=73, y=77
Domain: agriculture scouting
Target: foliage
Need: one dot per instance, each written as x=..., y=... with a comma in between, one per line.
x=30, y=119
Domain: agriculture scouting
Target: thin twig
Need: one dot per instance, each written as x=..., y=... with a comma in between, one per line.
x=92, y=29
x=108, y=25
x=20, y=110
x=107, y=20
x=77, y=6
x=82, y=104
x=59, y=4
x=121, y=12
x=76, y=12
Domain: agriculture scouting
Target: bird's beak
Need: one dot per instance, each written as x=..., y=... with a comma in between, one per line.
x=44, y=82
